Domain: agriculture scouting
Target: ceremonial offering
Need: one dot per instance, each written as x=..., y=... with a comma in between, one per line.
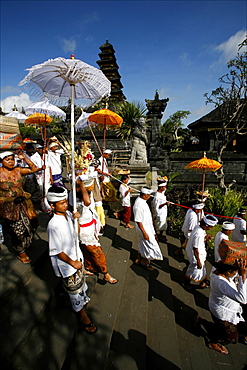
x=229, y=251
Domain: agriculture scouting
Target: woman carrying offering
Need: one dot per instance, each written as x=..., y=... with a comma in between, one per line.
x=16, y=208
x=225, y=305
x=89, y=227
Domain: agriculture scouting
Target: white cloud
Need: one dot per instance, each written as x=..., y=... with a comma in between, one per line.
x=229, y=48
x=10, y=89
x=20, y=101
x=198, y=113
x=68, y=45
x=185, y=59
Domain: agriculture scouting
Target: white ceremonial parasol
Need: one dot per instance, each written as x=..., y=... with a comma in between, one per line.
x=47, y=108
x=82, y=121
x=16, y=114
x=69, y=78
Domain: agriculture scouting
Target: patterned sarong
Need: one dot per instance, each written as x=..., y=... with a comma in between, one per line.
x=94, y=258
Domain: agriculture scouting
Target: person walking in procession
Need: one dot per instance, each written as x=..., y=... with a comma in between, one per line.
x=66, y=256
x=192, y=218
x=160, y=204
x=239, y=233
x=124, y=191
x=148, y=247
x=197, y=253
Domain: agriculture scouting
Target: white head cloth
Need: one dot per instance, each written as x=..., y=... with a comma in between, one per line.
x=56, y=197
x=6, y=154
x=53, y=144
x=146, y=191
x=198, y=206
x=210, y=220
x=107, y=151
x=162, y=184
x=228, y=225
x=87, y=180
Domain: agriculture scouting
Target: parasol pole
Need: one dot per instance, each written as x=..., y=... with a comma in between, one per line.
x=203, y=180
x=72, y=126
x=96, y=142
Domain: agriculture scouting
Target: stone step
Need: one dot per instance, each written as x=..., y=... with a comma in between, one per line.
x=162, y=345
x=128, y=342
x=193, y=352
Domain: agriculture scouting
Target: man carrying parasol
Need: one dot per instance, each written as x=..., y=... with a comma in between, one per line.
x=109, y=191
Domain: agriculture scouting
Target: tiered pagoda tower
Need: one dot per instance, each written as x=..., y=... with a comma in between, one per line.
x=108, y=65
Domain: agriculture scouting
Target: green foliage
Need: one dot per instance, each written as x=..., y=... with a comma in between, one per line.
x=221, y=204
x=129, y=111
x=174, y=122
x=28, y=130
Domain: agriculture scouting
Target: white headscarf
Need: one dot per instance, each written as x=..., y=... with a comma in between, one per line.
x=146, y=191
x=210, y=220
x=56, y=197
x=228, y=225
x=6, y=154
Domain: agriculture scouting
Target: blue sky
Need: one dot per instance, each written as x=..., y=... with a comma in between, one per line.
x=178, y=47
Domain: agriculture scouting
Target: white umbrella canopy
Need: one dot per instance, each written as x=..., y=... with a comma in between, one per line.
x=55, y=77
x=16, y=114
x=70, y=78
x=82, y=121
x=46, y=107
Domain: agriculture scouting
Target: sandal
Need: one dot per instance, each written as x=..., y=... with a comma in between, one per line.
x=204, y=285
x=24, y=259
x=112, y=280
x=86, y=326
x=218, y=347
x=88, y=273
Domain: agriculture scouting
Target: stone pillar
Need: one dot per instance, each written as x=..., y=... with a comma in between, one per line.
x=155, y=108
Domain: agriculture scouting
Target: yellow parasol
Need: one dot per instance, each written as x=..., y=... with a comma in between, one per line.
x=40, y=119
x=202, y=165
x=105, y=117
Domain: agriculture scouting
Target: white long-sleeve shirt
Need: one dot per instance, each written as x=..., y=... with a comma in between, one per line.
x=225, y=298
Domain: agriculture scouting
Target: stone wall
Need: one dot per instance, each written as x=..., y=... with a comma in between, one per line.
x=235, y=166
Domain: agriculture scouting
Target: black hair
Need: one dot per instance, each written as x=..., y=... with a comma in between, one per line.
x=124, y=177
x=224, y=267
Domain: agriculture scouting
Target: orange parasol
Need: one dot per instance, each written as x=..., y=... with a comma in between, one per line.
x=202, y=165
x=39, y=119
x=105, y=117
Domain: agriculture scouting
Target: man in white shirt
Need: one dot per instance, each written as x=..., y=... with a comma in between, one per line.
x=160, y=204
x=227, y=229
x=239, y=233
x=54, y=157
x=124, y=191
x=192, y=218
x=197, y=253
x=109, y=191
x=148, y=247
x=43, y=177
x=66, y=256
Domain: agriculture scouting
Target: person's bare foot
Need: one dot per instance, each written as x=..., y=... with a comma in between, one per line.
x=129, y=226
x=109, y=279
x=218, y=347
x=23, y=257
x=115, y=214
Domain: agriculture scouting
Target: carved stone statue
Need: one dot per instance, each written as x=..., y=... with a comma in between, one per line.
x=139, y=142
